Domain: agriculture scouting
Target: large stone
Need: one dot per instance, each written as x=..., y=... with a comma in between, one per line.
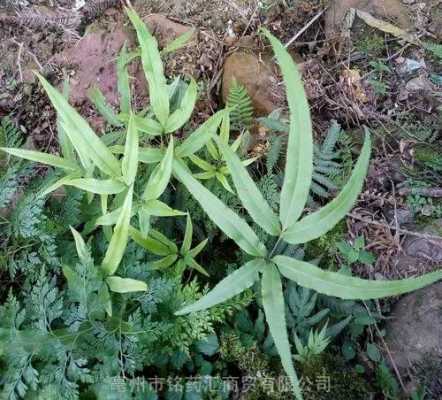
x=426, y=249
x=415, y=329
x=390, y=10
x=259, y=78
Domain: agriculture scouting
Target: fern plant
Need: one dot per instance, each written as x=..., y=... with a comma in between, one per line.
x=295, y=190
x=12, y=171
x=240, y=103
x=326, y=158
x=111, y=172
x=435, y=49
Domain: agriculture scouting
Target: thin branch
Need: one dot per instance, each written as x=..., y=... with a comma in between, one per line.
x=400, y=230
x=300, y=32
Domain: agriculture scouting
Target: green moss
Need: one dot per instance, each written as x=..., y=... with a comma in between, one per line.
x=371, y=45
x=326, y=377
x=253, y=364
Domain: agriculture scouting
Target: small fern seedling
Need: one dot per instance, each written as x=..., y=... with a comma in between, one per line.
x=316, y=344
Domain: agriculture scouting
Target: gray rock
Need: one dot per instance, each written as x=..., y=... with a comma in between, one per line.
x=415, y=329
x=425, y=248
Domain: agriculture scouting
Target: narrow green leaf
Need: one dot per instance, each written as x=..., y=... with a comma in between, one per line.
x=299, y=163
x=188, y=234
x=213, y=151
x=316, y=224
x=346, y=287
x=181, y=115
x=274, y=309
x=205, y=175
x=223, y=180
x=71, y=276
x=230, y=286
x=79, y=132
x=99, y=101
x=165, y=262
x=204, y=165
x=107, y=186
x=146, y=155
x=179, y=42
x=154, y=246
x=118, y=243
x=248, y=192
x=237, y=143
x=148, y=125
x=224, y=132
x=200, y=136
x=82, y=251
x=150, y=155
x=79, y=145
x=191, y=263
x=153, y=68
x=67, y=150
x=123, y=83
x=48, y=159
x=228, y=221
x=163, y=239
x=125, y=285
x=103, y=203
x=111, y=218
x=129, y=163
x=144, y=221
x=104, y=299
x=199, y=247
x=160, y=177
x=159, y=209
x=59, y=183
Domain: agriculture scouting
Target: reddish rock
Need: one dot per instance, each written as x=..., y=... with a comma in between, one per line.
x=93, y=58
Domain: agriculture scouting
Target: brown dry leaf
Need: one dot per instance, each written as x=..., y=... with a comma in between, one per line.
x=386, y=27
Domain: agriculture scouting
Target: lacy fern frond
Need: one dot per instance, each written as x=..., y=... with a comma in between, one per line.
x=326, y=164
x=13, y=171
x=275, y=152
x=10, y=135
x=241, y=104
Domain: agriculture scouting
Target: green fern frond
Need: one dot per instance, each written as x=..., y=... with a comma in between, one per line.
x=241, y=104
x=325, y=166
x=276, y=151
x=434, y=48
x=13, y=171
x=10, y=135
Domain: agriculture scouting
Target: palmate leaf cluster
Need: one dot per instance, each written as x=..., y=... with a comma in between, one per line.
x=102, y=313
